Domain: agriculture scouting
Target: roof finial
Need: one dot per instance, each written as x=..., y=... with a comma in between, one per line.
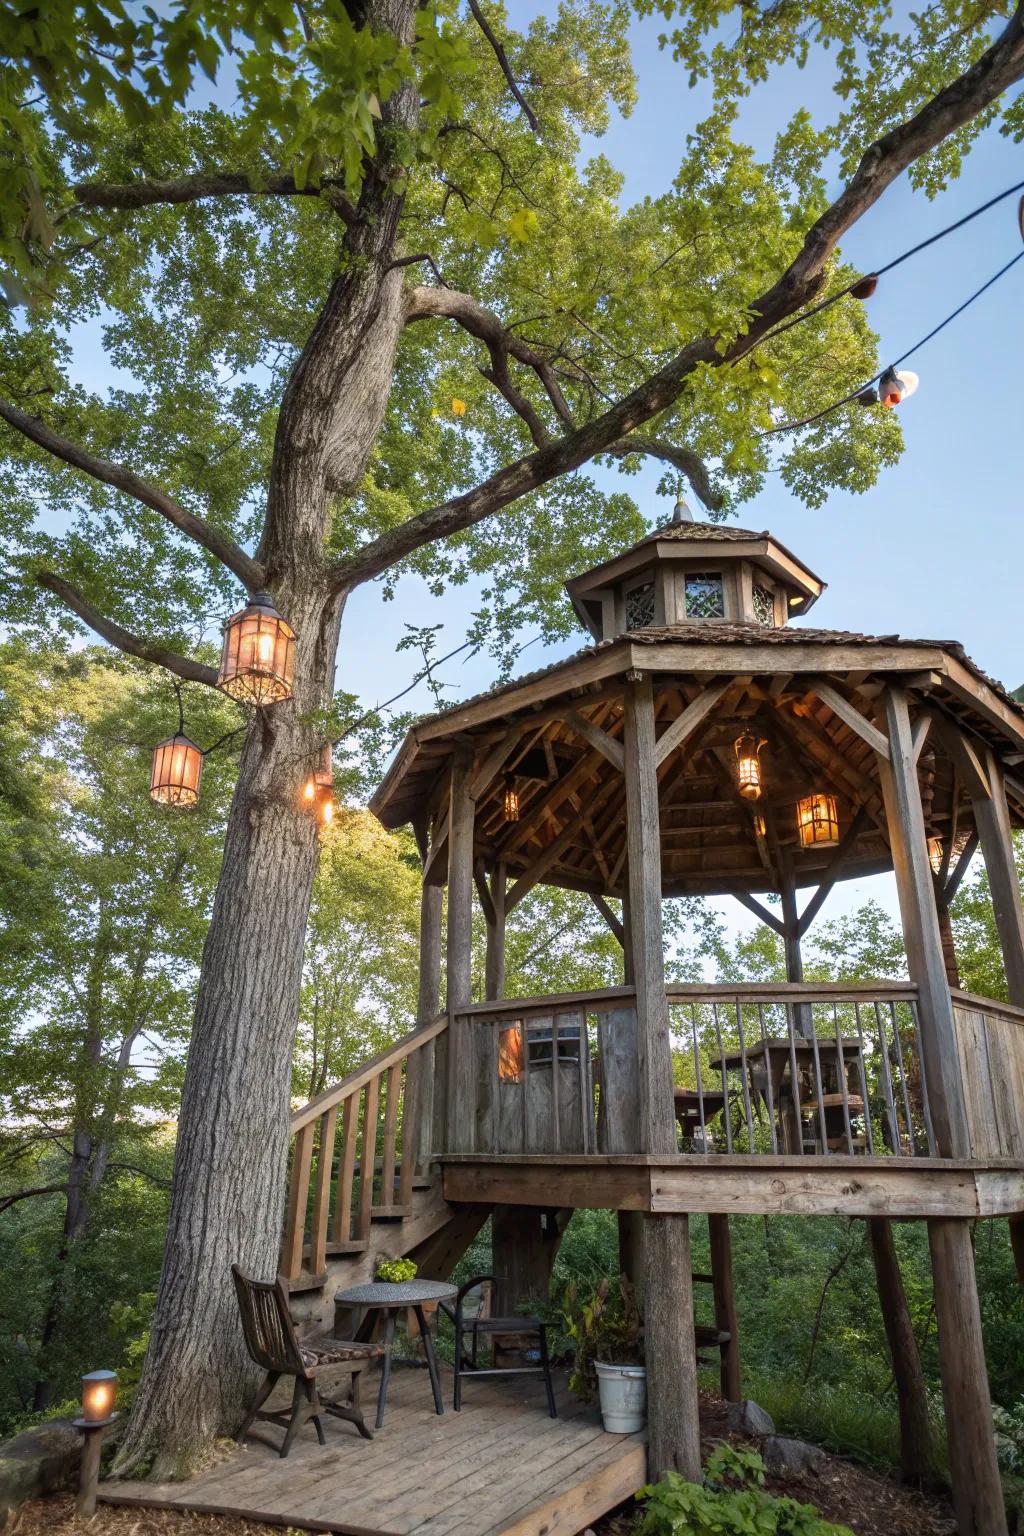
x=681, y=512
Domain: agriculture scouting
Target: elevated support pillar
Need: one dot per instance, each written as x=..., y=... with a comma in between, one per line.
x=421, y=1099
x=911, y=1398
x=461, y=1056
x=977, y=1489
x=494, y=974
x=921, y=936
x=992, y=819
x=726, y=1320
x=674, y=1428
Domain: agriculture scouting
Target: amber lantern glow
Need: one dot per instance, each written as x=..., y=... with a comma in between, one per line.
x=177, y=771
x=748, y=766
x=510, y=802
x=319, y=790
x=257, y=662
x=817, y=821
x=510, y=1053
x=99, y=1394
x=935, y=853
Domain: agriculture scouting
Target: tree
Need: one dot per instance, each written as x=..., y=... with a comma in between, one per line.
x=103, y=907
x=307, y=415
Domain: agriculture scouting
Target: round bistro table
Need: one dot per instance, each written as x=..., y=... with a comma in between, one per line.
x=385, y=1299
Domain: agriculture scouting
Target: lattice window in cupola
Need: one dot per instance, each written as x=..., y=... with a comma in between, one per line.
x=764, y=605
x=705, y=598
x=640, y=606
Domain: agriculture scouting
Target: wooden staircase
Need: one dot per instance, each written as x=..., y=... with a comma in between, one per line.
x=360, y=1184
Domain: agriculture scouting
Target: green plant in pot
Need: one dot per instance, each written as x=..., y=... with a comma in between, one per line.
x=607, y=1332
x=395, y=1270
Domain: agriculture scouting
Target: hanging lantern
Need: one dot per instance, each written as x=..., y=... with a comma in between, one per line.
x=935, y=854
x=177, y=770
x=319, y=789
x=760, y=828
x=817, y=821
x=748, y=766
x=511, y=799
x=257, y=662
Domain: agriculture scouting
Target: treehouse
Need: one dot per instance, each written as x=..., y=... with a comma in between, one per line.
x=700, y=743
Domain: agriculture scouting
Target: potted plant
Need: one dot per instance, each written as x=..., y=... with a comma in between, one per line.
x=395, y=1271
x=607, y=1332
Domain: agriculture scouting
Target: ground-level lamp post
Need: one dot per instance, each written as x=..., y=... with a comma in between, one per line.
x=99, y=1393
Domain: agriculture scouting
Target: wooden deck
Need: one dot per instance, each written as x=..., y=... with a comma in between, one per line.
x=501, y=1467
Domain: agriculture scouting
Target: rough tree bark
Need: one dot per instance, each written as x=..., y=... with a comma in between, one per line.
x=916, y=1449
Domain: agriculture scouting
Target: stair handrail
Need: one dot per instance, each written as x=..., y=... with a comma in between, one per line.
x=421, y=1035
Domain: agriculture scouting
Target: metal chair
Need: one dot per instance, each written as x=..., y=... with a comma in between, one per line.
x=272, y=1343
x=482, y=1325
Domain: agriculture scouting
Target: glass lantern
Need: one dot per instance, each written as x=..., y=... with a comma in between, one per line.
x=99, y=1394
x=257, y=661
x=319, y=791
x=177, y=771
x=510, y=801
x=817, y=821
x=748, y=766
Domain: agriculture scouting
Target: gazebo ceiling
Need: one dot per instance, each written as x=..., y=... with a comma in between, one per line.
x=803, y=691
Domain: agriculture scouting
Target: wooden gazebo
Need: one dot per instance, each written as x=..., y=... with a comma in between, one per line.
x=700, y=743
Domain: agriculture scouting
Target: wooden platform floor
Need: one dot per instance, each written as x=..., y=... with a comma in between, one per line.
x=501, y=1467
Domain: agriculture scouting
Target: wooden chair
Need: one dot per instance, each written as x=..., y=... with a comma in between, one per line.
x=272, y=1342
x=481, y=1324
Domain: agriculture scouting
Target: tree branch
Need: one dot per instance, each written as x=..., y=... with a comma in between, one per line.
x=248, y=571
x=192, y=189
x=123, y=639
x=27, y=1194
x=684, y=459
x=502, y=58
x=998, y=67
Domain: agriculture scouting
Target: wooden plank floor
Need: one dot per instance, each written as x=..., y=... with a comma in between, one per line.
x=501, y=1467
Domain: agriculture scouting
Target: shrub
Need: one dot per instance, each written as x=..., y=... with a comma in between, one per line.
x=606, y=1325
x=396, y=1270
x=731, y=1501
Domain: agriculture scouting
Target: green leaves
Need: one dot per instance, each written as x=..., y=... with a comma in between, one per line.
x=731, y=1501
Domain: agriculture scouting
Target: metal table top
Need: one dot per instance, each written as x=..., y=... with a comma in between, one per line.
x=396, y=1293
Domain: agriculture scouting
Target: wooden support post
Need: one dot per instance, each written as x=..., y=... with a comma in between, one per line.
x=631, y=1247
x=525, y=1242
x=921, y=936
x=992, y=819
x=425, y=1097
x=792, y=945
x=977, y=1490
x=673, y=1443
x=725, y=1306
x=674, y=1427
x=461, y=1057
x=911, y=1398
x=494, y=978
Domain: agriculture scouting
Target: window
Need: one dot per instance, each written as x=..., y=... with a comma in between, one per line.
x=539, y=1039
x=640, y=607
x=764, y=605
x=704, y=596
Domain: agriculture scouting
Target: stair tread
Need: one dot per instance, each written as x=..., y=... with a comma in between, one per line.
x=390, y=1212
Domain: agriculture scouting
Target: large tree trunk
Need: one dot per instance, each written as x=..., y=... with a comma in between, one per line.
x=232, y=1151
x=916, y=1450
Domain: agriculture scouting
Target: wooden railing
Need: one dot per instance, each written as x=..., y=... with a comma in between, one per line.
x=990, y=1046
x=357, y=1147
x=799, y=1069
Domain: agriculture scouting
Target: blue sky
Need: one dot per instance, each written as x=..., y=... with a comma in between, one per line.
x=934, y=549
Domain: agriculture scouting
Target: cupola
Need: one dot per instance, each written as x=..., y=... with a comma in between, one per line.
x=694, y=573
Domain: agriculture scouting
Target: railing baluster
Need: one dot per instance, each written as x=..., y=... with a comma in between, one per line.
x=864, y=1081
x=794, y=1080
x=368, y=1157
x=903, y=1078
x=700, y=1083
x=894, y=1125
x=925, y=1107
x=767, y=1059
x=746, y=1083
x=341, y=1230
x=725, y=1079
x=586, y=1101
x=822, y=1123
x=556, y=1083
x=298, y=1196
x=387, y=1176
x=322, y=1195
x=410, y=1131
x=841, y=1068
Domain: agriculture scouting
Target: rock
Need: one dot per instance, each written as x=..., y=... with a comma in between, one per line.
x=40, y=1460
x=787, y=1457
x=748, y=1418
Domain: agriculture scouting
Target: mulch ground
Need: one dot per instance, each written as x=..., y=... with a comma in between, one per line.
x=844, y=1492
